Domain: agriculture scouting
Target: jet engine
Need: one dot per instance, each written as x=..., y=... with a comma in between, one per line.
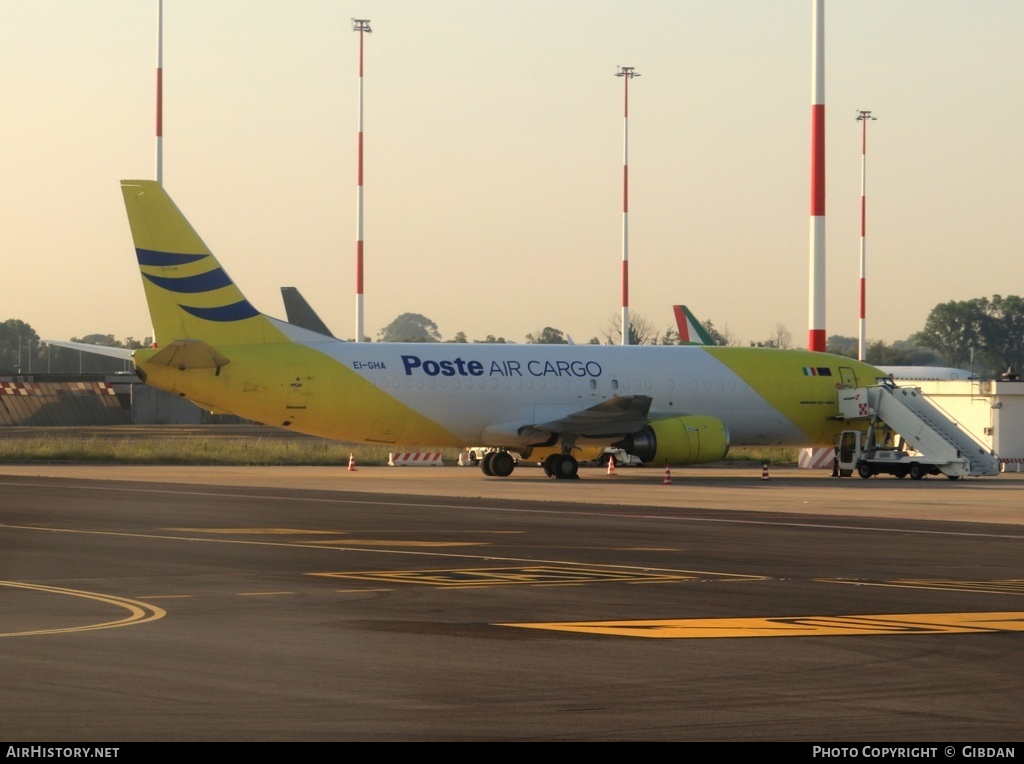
x=682, y=440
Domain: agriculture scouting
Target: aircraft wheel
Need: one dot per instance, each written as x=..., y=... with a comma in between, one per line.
x=502, y=464
x=565, y=467
x=864, y=470
x=916, y=472
x=485, y=463
x=549, y=465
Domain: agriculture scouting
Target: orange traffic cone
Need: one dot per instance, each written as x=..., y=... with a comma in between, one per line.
x=764, y=473
x=351, y=462
x=668, y=476
x=611, y=465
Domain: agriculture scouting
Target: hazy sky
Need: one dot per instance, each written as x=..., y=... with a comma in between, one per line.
x=493, y=158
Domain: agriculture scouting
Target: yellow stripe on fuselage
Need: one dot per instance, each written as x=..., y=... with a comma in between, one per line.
x=790, y=381
x=295, y=386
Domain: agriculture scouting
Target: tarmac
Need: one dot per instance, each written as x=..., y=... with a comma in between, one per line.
x=791, y=490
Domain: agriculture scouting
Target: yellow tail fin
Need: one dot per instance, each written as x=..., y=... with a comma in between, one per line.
x=190, y=295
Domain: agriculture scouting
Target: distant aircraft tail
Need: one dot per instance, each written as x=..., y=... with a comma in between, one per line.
x=690, y=330
x=190, y=296
x=301, y=313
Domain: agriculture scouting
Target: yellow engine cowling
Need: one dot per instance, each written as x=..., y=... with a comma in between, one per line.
x=682, y=440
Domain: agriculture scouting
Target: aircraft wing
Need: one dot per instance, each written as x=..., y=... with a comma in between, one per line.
x=614, y=417
x=124, y=354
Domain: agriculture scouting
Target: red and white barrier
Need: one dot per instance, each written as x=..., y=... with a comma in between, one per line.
x=816, y=458
x=416, y=459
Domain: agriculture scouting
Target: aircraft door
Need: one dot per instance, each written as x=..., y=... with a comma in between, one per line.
x=298, y=389
x=848, y=376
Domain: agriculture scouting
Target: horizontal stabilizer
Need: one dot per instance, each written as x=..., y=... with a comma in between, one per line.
x=189, y=354
x=124, y=354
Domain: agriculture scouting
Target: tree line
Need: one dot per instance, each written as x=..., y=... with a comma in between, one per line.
x=23, y=352
x=415, y=327
x=985, y=334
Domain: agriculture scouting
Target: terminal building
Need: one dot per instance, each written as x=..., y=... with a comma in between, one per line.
x=992, y=409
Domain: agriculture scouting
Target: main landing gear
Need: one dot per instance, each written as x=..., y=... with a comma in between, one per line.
x=562, y=467
x=558, y=466
x=497, y=464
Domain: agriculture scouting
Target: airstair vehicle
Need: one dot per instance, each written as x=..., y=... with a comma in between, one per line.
x=930, y=442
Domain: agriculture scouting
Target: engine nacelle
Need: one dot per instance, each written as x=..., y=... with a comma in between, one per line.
x=682, y=440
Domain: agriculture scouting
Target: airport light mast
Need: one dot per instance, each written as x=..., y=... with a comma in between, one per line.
x=160, y=92
x=361, y=26
x=627, y=73
x=863, y=117
x=816, y=332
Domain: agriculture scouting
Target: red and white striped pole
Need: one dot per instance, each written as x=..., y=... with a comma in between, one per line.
x=627, y=73
x=361, y=26
x=816, y=333
x=862, y=346
x=160, y=92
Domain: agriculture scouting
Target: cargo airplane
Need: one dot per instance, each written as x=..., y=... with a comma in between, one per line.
x=663, y=404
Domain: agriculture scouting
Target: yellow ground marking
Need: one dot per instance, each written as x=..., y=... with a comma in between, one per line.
x=262, y=594
x=261, y=531
x=533, y=575
x=138, y=612
x=1009, y=586
x=395, y=543
x=795, y=626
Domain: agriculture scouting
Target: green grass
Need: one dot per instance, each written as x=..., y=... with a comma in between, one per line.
x=242, y=451
x=192, y=450
x=763, y=454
